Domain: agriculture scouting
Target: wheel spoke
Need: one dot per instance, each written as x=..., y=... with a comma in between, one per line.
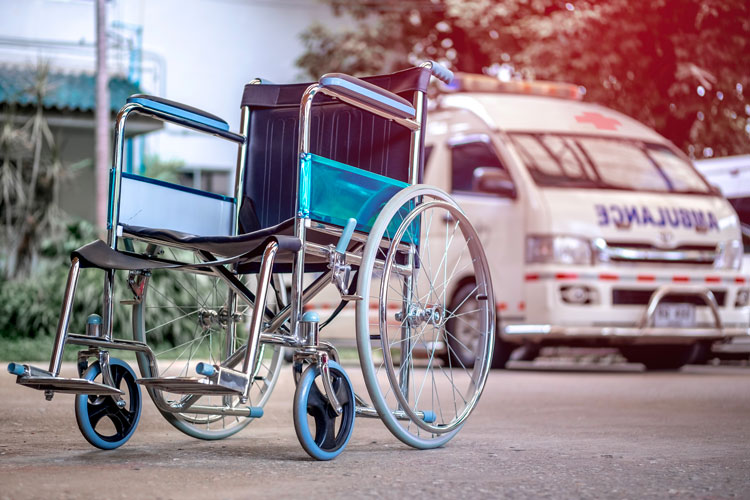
x=98, y=411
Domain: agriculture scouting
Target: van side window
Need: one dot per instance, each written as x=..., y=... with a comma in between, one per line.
x=466, y=158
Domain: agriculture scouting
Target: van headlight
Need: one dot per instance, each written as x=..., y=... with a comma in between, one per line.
x=728, y=255
x=558, y=250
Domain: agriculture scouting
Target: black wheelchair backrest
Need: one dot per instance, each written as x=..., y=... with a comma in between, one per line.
x=339, y=132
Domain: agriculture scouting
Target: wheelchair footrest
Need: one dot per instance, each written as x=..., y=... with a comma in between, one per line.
x=42, y=380
x=231, y=411
x=189, y=385
x=370, y=412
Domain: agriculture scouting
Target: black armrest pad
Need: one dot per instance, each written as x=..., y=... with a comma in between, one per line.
x=367, y=93
x=180, y=110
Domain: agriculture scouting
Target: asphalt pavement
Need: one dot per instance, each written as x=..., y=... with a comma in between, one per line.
x=543, y=430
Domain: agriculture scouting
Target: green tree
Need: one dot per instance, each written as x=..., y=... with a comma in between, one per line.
x=31, y=174
x=680, y=66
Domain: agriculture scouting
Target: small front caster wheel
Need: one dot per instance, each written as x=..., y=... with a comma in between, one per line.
x=102, y=421
x=322, y=433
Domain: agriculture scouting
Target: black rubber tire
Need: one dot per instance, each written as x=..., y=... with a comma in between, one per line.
x=502, y=353
x=659, y=357
x=701, y=353
x=90, y=410
x=526, y=352
x=330, y=432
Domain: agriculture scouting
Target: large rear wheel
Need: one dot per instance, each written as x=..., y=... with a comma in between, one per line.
x=419, y=252
x=186, y=318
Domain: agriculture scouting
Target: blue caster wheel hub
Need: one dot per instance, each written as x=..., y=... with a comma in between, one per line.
x=103, y=422
x=321, y=432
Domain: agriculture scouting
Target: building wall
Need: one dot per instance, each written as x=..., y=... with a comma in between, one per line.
x=200, y=52
x=78, y=191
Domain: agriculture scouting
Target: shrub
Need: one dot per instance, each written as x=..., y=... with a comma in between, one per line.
x=30, y=307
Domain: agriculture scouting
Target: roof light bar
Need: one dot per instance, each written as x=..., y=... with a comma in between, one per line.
x=467, y=82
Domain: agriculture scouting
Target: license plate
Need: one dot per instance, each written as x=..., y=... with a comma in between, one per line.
x=677, y=315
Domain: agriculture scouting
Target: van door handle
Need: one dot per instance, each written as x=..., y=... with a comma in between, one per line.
x=448, y=218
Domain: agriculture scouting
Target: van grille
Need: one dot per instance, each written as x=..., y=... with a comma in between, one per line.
x=630, y=252
x=628, y=297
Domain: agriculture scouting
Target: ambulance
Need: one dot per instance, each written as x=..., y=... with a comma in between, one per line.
x=599, y=231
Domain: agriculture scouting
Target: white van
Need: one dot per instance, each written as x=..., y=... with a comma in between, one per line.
x=599, y=231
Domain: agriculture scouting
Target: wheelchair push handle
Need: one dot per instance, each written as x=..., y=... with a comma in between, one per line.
x=366, y=95
x=376, y=99
x=439, y=71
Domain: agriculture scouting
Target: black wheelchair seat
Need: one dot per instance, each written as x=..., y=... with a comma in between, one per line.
x=243, y=248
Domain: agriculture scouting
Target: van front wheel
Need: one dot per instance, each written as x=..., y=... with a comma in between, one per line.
x=659, y=357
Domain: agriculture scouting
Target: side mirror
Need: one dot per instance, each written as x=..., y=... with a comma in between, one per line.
x=493, y=180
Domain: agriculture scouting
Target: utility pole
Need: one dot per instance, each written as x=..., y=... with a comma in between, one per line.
x=102, y=165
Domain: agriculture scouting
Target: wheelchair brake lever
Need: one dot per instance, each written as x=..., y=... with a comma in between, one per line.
x=337, y=261
x=346, y=236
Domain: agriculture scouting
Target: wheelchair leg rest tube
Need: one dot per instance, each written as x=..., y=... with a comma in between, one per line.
x=264, y=278
x=62, y=325
x=50, y=381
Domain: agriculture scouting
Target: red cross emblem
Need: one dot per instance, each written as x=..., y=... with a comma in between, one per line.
x=598, y=120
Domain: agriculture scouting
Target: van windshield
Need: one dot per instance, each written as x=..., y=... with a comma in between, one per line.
x=606, y=163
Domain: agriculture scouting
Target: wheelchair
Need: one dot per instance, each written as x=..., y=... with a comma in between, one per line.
x=327, y=193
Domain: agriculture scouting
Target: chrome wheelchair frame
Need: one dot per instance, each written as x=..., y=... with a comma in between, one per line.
x=391, y=248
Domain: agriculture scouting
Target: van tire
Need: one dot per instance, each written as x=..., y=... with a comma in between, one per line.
x=503, y=350
x=452, y=354
x=659, y=357
x=701, y=353
x=527, y=352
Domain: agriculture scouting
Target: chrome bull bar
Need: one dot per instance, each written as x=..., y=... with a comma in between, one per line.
x=666, y=290
x=643, y=332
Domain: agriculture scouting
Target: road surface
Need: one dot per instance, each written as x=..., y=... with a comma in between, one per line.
x=544, y=430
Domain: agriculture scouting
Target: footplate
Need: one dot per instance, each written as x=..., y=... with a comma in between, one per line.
x=42, y=380
x=189, y=385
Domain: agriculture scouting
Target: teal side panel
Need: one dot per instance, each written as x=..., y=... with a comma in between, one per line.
x=338, y=191
x=303, y=203
x=111, y=199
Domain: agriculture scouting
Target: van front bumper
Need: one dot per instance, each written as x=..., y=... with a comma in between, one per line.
x=616, y=335
x=607, y=324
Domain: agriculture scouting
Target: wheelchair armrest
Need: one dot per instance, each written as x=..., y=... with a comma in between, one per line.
x=364, y=94
x=182, y=114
